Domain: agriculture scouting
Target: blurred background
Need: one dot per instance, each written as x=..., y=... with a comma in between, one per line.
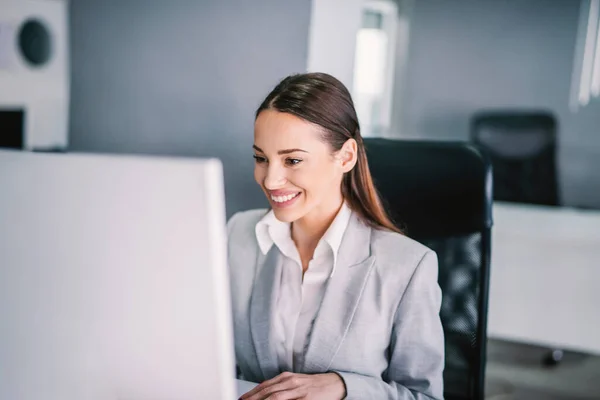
x=519, y=78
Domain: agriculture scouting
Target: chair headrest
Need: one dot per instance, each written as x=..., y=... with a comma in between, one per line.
x=432, y=189
x=514, y=134
x=515, y=119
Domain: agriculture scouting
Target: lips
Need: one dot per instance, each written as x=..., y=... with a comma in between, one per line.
x=281, y=199
x=284, y=198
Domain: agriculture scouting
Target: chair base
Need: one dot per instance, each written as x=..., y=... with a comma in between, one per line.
x=553, y=357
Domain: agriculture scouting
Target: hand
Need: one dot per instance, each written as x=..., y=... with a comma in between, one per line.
x=290, y=386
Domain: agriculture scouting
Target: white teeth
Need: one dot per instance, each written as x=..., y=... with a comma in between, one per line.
x=283, y=199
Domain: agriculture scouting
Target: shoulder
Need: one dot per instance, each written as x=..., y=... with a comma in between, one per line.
x=244, y=222
x=241, y=230
x=242, y=245
x=397, y=254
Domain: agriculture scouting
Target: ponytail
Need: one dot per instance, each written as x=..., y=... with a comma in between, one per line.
x=361, y=195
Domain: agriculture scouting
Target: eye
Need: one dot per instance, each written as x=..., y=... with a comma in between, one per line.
x=293, y=161
x=259, y=159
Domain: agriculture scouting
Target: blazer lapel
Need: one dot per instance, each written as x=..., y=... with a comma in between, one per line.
x=341, y=297
x=262, y=303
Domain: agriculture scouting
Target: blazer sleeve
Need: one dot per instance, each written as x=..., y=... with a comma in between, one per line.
x=231, y=223
x=416, y=365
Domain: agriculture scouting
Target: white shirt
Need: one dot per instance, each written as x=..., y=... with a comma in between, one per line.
x=298, y=300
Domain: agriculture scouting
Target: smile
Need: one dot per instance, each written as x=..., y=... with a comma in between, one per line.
x=284, y=200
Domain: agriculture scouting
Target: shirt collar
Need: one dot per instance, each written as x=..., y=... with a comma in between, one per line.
x=270, y=227
x=334, y=234
x=265, y=230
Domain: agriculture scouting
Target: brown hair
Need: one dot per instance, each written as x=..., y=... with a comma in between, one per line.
x=325, y=101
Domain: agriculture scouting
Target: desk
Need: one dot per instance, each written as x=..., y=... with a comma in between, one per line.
x=243, y=387
x=545, y=276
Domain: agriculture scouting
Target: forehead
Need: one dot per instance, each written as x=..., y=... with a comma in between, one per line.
x=274, y=130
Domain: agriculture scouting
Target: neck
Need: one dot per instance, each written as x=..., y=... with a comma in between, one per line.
x=308, y=230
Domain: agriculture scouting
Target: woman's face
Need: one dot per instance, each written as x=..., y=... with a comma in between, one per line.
x=295, y=168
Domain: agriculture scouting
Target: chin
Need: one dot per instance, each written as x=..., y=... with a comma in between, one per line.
x=288, y=216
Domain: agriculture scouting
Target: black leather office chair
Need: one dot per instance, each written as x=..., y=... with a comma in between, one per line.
x=440, y=193
x=522, y=148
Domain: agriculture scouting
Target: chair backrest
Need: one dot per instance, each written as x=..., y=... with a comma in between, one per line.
x=440, y=193
x=522, y=148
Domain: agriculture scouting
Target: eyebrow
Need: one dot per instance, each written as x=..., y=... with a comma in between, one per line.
x=286, y=151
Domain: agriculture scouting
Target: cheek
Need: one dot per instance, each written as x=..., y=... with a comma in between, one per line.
x=259, y=174
x=317, y=182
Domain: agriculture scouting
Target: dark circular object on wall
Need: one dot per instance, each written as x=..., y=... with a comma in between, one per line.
x=35, y=42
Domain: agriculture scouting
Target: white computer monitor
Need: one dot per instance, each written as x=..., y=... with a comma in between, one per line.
x=113, y=278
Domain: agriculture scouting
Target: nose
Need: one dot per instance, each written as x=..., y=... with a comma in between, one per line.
x=275, y=178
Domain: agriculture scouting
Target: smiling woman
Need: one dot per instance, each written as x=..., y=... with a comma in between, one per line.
x=314, y=113
x=330, y=300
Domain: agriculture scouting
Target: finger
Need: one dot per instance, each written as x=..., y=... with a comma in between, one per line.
x=291, y=394
x=265, y=384
x=275, y=390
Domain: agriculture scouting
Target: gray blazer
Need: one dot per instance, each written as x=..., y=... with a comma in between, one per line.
x=378, y=326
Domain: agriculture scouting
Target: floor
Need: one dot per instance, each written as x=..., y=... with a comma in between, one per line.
x=515, y=372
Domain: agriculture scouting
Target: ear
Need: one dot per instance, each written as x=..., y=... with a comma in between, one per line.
x=348, y=155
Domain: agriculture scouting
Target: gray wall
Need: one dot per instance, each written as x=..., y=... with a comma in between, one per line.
x=177, y=77
x=465, y=55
